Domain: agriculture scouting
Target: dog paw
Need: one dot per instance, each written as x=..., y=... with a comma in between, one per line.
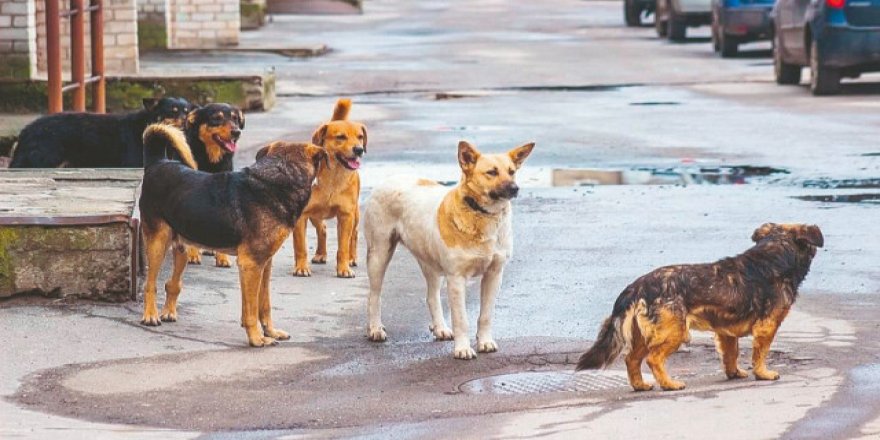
x=277, y=334
x=151, y=320
x=672, y=385
x=344, y=272
x=193, y=256
x=302, y=271
x=167, y=316
x=319, y=259
x=442, y=333
x=222, y=260
x=377, y=334
x=265, y=341
x=766, y=375
x=487, y=346
x=464, y=353
x=642, y=387
x=738, y=374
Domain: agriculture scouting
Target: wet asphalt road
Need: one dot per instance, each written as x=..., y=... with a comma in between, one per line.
x=592, y=94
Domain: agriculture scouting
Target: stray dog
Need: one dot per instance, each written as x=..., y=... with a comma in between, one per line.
x=749, y=294
x=456, y=234
x=248, y=213
x=88, y=140
x=335, y=194
x=212, y=132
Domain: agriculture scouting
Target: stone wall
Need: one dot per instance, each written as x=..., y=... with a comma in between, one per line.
x=17, y=39
x=120, y=38
x=202, y=24
x=152, y=33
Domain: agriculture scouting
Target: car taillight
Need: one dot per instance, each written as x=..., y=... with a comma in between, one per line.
x=835, y=4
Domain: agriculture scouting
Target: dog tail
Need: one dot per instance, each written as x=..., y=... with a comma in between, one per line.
x=159, y=137
x=340, y=113
x=614, y=337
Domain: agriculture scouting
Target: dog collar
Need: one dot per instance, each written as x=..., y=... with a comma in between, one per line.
x=475, y=206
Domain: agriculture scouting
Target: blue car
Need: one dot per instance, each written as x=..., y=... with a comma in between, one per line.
x=835, y=38
x=736, y=22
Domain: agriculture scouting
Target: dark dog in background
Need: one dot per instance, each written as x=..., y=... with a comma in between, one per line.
x=749, y=294
x=248, y=213
x=212, y=133
x=89, y=140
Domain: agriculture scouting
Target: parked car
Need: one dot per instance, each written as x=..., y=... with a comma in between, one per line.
x=736, y=22
x=835, y=38
x=633, y=10
x=673, y=17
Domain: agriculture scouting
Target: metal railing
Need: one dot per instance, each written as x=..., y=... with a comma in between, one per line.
x=56, y=89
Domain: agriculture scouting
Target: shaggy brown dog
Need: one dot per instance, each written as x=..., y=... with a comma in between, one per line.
x=248, y=213
x=335, y=194
x=749, y=294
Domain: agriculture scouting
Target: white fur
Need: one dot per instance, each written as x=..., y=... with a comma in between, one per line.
x=402, y=211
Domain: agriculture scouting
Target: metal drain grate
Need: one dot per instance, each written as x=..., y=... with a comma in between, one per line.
x=545, y=382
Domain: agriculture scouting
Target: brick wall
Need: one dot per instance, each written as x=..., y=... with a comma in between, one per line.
x=152, y=33
x=202, y=24
x=120, y=38
x=17, y=43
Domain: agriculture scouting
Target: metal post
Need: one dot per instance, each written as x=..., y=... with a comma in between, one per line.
x=53, y=55
x=78, y=54
x=98, y=88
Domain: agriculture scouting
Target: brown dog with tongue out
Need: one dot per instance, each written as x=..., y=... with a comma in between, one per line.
x=212, y=132
x=335, y=194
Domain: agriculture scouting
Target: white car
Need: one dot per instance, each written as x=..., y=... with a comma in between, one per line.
x=673, y=17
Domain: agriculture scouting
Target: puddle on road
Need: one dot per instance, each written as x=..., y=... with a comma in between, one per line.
x=726, y=175
x=873, y=198
x=852, y=407
x=545, y=382
x=654, y=103
x=843, y=183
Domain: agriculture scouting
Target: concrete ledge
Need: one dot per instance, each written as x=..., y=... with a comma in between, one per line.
x=250, y=92
x=315, y=7
x=69, y=233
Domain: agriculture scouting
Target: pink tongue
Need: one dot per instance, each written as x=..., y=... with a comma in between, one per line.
x=230, y=146
x=353, y=163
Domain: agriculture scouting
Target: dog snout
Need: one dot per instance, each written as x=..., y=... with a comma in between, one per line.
x=236, y=133
x=508, y=190
x=358, y=151
x=512, y=189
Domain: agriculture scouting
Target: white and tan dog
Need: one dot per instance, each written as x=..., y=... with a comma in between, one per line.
x=457, y=234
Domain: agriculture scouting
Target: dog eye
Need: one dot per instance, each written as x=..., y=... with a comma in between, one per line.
x=340, y=137
x=511, y=171
x=493, y=172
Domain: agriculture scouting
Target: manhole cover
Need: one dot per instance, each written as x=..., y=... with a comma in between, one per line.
x=545, y=382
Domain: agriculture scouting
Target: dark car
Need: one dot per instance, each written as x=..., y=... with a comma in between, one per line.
x=736, y=22
x=835, y=38
x=634, y=10
x=673, y=17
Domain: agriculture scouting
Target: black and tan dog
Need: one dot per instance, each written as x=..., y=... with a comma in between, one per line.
x=336, y=194
x=749, y=294
x=89, y=140
x=212, y=132
x=248, y=213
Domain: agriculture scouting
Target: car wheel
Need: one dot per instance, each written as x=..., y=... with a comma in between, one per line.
x=659, y=22
x=632, y=13
x=788, y=74
x=824, y=80
x=676, y=28
x=729, y=46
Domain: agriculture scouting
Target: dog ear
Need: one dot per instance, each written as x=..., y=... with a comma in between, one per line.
x=264, y=151
x=467, y=155
x=240, y=118
x=192, y=117
x=318, y=155
x=318, y=136
x=810, y=234
x=150, y=103
x=519, y=154
x=364, y=131
x=762, y=231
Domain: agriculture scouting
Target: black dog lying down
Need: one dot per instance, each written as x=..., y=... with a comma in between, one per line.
x=248, y=213
x=89, y=140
